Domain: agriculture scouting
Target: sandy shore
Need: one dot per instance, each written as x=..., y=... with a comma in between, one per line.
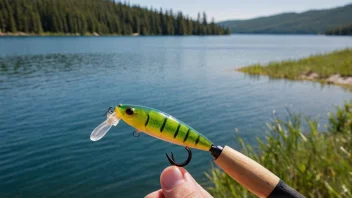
x=333, y=79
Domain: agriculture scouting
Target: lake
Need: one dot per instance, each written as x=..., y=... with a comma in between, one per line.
x=55, y=91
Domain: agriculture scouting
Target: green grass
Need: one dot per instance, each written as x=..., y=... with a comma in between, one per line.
x=317, y=164
x=337, y=62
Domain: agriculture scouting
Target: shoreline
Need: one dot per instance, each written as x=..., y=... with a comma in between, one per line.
x=330, y=68
x=19, y=34
x=88, y=34
x=335, y=79
x=94, y=34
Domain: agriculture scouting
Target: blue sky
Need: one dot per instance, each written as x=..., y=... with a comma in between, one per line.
x=239, y=9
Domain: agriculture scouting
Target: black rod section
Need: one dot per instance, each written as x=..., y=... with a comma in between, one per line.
x=215, y=151
x=285, y=191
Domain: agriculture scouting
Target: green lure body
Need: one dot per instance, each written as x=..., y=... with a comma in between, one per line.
x=162, y=126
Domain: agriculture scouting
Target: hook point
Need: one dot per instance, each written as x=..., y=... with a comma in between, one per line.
x=172, y=159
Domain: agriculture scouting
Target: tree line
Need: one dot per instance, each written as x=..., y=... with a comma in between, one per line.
x=342, y=30
x=105, y=17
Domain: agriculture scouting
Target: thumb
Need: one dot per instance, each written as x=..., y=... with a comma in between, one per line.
x=177, y=182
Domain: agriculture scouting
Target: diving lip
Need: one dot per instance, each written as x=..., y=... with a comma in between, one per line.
x=102, y=129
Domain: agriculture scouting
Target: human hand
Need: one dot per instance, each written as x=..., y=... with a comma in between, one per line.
x=177, y=182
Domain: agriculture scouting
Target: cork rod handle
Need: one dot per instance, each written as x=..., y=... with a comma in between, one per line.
x=252, y=175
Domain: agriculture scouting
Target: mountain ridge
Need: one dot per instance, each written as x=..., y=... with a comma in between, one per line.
x=312, y=21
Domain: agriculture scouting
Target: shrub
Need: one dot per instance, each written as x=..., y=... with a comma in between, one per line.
x=317, y=164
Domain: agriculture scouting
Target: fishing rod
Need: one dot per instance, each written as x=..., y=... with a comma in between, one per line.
x=241, y=168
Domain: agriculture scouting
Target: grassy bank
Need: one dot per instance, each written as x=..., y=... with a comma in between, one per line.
x=335, y=67
x=317, y=164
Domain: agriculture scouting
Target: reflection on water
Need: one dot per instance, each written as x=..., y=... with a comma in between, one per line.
x=55, y=91
x=51, y=63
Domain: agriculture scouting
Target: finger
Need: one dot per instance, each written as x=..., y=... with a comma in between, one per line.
x=204, y=192
x=177, y=182
x=189, y=177
x=156, y=194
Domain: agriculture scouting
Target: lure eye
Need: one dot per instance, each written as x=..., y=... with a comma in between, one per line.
x=129, y=111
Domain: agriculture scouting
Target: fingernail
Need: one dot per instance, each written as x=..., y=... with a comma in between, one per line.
x=171, y=178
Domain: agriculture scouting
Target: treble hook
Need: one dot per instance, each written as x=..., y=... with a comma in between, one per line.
x=172, y=161
x=109, y=111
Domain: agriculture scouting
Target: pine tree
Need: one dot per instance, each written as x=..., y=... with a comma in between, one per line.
x=189, y=26
x=204, y=19
x=127, y=29
x=227, y=31
x=212, y=27
x=2, y=22
x=163, y=20
x=170, y=24
x=205, y=27
x=198, y=25
x=136, y=24
x=180, y=30
x=9, y=17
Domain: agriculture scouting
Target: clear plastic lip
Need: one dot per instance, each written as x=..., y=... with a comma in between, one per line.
x=102, y=129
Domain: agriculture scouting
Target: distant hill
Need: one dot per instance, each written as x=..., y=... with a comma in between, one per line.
x=309, y=22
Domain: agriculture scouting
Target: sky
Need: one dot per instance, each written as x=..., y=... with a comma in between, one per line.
x=239, y=9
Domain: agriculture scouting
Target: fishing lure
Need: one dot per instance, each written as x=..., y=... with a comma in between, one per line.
x=244, y=170
x=157, y=124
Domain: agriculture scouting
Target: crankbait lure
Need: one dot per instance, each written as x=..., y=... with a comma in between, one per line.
x=154, y=123
x=244, y=170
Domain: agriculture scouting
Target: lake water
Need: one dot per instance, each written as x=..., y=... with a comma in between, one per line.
x=55, y=91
